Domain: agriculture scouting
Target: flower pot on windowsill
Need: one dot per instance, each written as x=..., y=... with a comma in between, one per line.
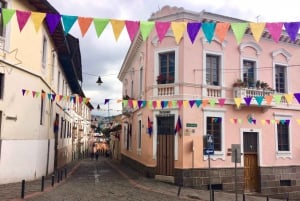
x=161, y=79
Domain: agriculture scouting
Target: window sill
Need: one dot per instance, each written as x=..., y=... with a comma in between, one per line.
x=283, y=154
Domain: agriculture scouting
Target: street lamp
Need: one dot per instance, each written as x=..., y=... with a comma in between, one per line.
x=99, y=81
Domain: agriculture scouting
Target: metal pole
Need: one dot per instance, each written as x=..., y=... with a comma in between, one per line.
x=235, y=173
x=210, y=190
x=52, y=182
x=23, y=189
x=43, y=182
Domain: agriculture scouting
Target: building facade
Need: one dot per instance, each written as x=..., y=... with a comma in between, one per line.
x=241, y=93
x=44, y=115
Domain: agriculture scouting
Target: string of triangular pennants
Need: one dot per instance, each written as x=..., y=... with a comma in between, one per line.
x=212, y=101
x=263, y=121
x=210, y=29
x=56, y=97
x=155, y=104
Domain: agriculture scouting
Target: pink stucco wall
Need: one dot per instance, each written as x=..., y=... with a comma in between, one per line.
x=189, y=80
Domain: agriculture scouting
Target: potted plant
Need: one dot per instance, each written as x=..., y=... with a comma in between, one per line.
x=238, y=83
x=257, y=84
x=161, y=79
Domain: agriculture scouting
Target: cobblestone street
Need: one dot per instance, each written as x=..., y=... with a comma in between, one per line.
x=103, y=180
x=107, y=179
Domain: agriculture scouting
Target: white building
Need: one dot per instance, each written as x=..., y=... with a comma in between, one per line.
x=44, y=119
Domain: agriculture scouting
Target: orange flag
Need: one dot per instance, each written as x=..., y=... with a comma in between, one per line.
x=221, y=30
x=84, y=24
x=268, y=99
x=117, y=26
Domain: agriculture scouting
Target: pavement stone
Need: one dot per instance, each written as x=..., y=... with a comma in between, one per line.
x=107, y=179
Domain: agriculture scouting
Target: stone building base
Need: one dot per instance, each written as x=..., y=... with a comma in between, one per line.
x=275, y=182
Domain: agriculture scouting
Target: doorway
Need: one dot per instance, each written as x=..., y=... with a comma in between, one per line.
x=165, y=145
x=251, y=169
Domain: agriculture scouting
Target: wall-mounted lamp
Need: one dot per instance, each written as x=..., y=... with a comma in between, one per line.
x=99, y=81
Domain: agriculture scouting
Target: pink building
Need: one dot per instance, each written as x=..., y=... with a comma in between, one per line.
x=164, y=80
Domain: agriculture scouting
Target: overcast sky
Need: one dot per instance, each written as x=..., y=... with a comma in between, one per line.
x=104, y=56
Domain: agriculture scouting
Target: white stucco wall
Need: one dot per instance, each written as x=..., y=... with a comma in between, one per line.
x=31, y=160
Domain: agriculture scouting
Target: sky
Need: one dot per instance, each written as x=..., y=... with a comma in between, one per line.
x=104, y=56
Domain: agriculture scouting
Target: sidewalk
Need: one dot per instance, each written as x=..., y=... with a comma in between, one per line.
x=12, y=192
x=184, y=192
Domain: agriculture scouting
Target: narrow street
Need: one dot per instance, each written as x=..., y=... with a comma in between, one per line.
x=107, y=180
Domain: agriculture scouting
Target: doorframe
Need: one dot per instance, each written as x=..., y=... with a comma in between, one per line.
x=259, y=143
x=154, y=141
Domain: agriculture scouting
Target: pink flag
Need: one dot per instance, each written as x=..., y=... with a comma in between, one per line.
x=275, y=30
x=161, y=29
x=132, y=28
x=22, y=17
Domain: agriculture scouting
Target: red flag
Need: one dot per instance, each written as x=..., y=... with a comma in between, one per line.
x=178, y=125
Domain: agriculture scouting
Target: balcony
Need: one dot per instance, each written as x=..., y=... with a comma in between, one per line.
x=241, y=92
x=165, y=90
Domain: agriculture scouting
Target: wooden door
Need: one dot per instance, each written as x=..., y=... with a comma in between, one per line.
x=251, y=169
x=165, y=145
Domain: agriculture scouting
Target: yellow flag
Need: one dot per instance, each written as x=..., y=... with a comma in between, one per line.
x=178, y=29
x=117, y=26
x=37, y=19
x=238, y=102
x=257, y=29
x=134, y=103
x=288, y=98
x=185, y=103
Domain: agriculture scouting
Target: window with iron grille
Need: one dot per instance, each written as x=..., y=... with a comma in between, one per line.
x=213, y=69
x=214, y=127
x=283, y=137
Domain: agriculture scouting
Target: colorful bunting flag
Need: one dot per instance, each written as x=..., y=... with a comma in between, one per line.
x=68, y=22
x=222, y=30
x=208, y=29
x=100, y=25
x=193, y=29
x=52, y=20
x=117, y=26
x=84, y=24
x=257, y=30
x=146, y=28
x=132, y=28
x=239, y=29
x=161, y=29
x=37, y=18
x=22, y=18
x=178, y=29
x=275, y=30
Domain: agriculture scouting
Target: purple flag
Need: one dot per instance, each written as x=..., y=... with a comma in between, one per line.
x=192, y=102
x=292, y=29
x=248, y=100
x=52, y=20
x=193, y=29
x=297, y=96
x=106, y=101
